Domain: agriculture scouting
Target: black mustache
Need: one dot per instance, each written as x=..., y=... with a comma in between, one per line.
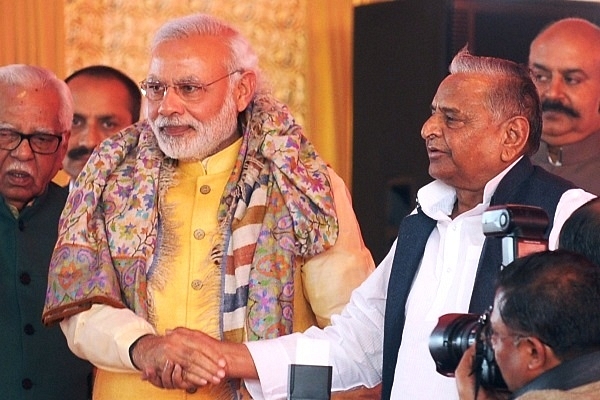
x=80, y=152
x=550, y=105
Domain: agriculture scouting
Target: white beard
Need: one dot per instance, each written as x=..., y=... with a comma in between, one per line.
x=209, y=137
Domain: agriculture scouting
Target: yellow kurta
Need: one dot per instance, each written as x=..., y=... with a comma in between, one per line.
x=191, y=295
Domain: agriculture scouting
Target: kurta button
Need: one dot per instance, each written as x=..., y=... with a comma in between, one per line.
x=199, y=234
x=25, y=278
x=26, y=383
x=29, y=329
x=196, y=284
x=205, y=189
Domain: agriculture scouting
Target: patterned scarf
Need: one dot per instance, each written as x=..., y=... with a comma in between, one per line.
x=276, y=210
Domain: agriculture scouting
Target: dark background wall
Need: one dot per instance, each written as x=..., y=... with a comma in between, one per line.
x=402, y=50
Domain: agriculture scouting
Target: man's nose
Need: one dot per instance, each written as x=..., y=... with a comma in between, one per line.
x=430, y=127
x=171, y=103
x=91, y=137
x=554, y=88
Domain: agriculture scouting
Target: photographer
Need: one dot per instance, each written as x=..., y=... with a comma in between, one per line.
x=544, y=329
x=580, y=233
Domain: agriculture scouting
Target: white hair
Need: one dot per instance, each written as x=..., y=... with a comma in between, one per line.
x=30, y=76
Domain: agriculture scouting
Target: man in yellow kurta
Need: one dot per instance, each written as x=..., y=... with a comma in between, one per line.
x=216, y=215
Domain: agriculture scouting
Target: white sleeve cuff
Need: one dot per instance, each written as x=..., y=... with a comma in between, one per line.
x=103, y=335
x=271, y=358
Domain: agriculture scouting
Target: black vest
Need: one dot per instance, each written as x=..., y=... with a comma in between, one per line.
x=523, y=184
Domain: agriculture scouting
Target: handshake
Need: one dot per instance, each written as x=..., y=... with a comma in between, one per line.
x=186, y=359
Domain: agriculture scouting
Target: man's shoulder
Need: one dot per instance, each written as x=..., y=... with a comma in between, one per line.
x=526, y=172
x=550, y=178
x=57, y=190
x=585, y=392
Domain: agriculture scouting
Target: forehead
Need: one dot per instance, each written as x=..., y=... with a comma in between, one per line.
x=99, y=94
x=29, y=109
x=84, y=84
x=495, y=318
x=462, y=91
x=200, y=56
x=577, y=50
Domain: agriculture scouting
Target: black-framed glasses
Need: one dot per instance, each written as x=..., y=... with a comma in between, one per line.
x=41, y=143
x=188, y=91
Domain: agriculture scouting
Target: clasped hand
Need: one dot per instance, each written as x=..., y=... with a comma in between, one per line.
x=181, y=359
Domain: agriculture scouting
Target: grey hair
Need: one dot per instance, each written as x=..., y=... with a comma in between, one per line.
x=243, y=56
x=30, y=76
x=514, y=93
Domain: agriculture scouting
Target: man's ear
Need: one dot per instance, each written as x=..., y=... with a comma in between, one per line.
x=516, y=134
x=244, y=90
x=539, y=355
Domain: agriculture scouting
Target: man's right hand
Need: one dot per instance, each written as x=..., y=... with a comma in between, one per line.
x=182, y=359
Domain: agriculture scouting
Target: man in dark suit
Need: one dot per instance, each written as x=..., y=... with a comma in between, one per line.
x=35, y=122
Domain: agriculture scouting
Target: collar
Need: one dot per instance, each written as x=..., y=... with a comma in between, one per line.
x=567, y=375
x=223, y=161
x=15, y=211
x=573, y=153
x=436, y=199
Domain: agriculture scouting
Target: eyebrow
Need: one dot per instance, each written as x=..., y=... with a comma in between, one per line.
x=100, y=117
x=445, y=109
x=184, y=79
x=562, y=71
x=6, y=125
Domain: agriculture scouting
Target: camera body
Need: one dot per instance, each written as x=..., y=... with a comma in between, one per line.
x=523, y=231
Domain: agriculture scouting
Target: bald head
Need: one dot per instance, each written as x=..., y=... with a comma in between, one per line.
x=569, y=37
x=565, y=60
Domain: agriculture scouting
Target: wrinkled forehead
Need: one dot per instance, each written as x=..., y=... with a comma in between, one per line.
x=462, y=89
x=30, y=109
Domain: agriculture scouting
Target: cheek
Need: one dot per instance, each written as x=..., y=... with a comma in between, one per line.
x=46, y=169
x=151, y=110
x=72, y=142
x=506, y=362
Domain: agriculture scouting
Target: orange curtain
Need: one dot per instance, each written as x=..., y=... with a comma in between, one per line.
x=330, y=31
x=32, y=32
x=329, y=81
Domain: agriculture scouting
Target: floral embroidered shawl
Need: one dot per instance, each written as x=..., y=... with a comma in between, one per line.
x=277, y=208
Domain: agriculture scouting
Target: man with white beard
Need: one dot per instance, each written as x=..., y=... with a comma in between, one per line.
x=216, y=215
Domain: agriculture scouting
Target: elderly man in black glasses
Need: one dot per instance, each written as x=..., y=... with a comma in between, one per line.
x=35, y=119
x=215, y=214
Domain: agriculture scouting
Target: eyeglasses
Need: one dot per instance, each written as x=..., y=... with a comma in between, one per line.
x=156, y=91
x=492, y=337
x=40, y=143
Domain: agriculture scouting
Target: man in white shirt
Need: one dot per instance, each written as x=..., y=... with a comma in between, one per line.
x=485, y=123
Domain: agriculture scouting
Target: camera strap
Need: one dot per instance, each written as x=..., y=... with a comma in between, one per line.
x=567, y=375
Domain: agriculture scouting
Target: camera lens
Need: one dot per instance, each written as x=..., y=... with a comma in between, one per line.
x=451, y=337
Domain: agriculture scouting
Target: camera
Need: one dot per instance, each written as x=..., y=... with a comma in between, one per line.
x=453, y=335
x=523, y=231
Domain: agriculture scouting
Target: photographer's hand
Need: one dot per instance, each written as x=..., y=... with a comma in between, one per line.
x=465, y=379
